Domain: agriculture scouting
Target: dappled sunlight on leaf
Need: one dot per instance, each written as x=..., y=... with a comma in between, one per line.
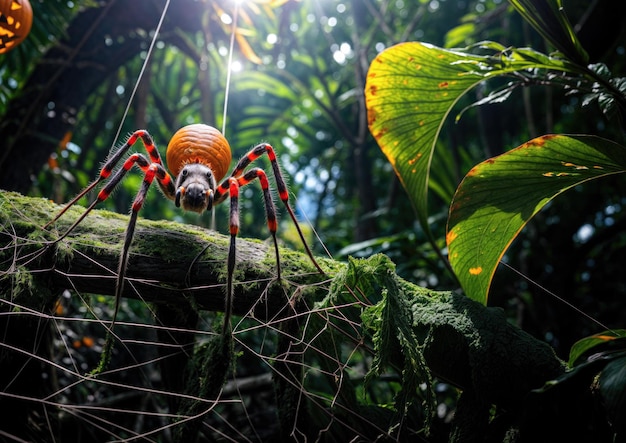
x=412, y=87
x=499, y=196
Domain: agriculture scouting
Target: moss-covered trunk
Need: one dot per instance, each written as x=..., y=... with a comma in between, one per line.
x=313, y=319
x=169, y=262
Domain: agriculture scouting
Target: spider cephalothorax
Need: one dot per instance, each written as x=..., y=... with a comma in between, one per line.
x=198, y=156
x=195, y=188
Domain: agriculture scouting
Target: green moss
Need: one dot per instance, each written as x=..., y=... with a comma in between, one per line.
x=22, y=283
x=23, y=289
x=207, y=371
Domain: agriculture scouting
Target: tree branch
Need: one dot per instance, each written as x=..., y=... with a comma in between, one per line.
x=471, y=346
x=169, y=262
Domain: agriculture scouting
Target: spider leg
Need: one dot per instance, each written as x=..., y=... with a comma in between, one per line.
x=152, y=171
x=152, y=168
x=283, y=193
x=105, y=172
x=231, y=187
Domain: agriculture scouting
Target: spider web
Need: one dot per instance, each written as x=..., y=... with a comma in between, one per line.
x=297, y=372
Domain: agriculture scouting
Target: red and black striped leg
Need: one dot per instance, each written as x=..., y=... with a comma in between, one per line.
x=231, y=186
x=106, y=171
x=233, y=191
x=270, y=208
x=104, y=193
x=283, y=193
x=152, y=171
x=255, y=153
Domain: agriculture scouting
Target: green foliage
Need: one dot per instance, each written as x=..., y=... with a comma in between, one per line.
x=499, y=196
x=549, y=19
x=388, y=323
x=411, y=90
x=391, y=323
x=598, y=361
x=413, y=87
x=589, y=347
x=423, y=335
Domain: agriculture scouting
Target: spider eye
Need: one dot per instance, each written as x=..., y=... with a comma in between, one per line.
x=184, y=172
x=209, y=174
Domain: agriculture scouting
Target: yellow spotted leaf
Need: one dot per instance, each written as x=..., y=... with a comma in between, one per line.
x=412, y=87
x=499, y=196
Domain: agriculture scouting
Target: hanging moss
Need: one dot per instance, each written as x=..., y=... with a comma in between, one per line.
x=207, y=372
x=417, y=333
x=423, y=334
x=21, y=288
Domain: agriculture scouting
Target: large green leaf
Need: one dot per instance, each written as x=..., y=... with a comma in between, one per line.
x=499, y=196
x=410, y=90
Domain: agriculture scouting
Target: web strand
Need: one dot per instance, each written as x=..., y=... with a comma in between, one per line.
x=556, y=297
x=229, y=65
x=141, y=72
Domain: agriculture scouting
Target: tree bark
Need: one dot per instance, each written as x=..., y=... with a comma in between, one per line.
x=172, y=262
x=169, y=262
x=468, y=345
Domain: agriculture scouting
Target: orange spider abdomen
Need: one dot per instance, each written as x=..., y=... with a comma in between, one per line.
x=199, y=143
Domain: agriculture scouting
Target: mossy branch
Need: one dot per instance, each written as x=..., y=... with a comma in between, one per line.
x=460, y=341
x=169, y=262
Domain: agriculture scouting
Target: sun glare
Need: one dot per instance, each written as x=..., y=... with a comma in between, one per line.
x=236, y=66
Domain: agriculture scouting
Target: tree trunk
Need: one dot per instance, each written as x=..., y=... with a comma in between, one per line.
x=171, y=264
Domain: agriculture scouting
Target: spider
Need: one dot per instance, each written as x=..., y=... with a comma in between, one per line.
x=198, y=156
